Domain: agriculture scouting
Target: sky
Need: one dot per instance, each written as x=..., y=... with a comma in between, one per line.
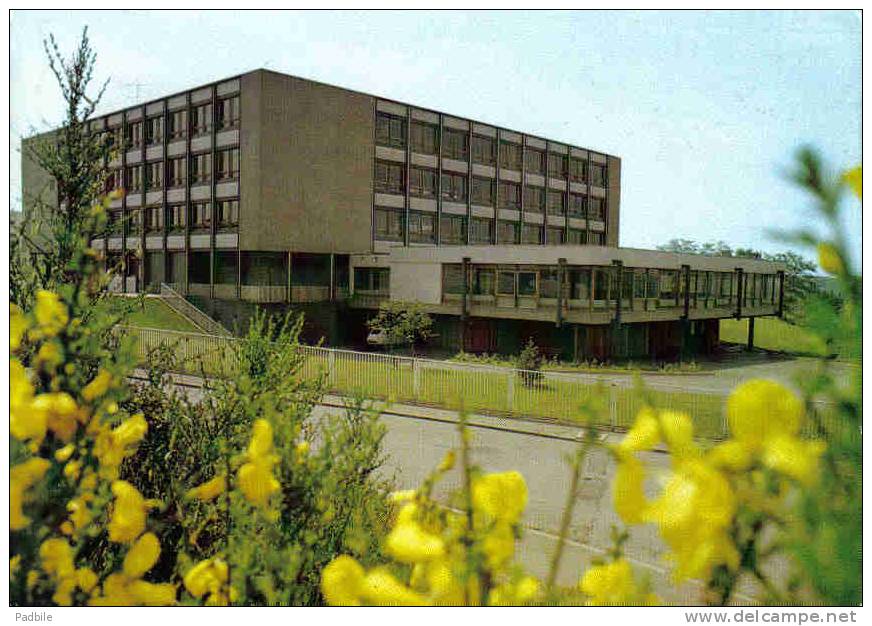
x=705, y=109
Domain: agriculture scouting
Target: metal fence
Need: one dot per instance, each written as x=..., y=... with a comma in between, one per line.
x=485, y=389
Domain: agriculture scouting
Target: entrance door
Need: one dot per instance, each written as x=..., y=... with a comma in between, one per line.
x=479, y=336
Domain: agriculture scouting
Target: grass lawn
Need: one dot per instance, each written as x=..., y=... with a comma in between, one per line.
x=771, y=333
x=156, y=314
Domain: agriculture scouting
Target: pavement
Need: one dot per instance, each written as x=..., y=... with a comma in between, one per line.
x=417, y=438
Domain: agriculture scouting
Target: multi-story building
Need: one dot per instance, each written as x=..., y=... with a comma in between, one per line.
x=270, y=189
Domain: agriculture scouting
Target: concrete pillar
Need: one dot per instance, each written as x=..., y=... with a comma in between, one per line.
x=750, y=334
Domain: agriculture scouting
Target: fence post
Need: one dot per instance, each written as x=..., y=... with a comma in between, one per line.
x=510, y=390
x=416, y=379
x=331, y=367
x=613, y=407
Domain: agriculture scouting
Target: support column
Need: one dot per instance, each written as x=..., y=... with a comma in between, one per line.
x=561, y=270
x=685, y=316
x=333, y=276
x=740, y=290
x=750, y=334
x=618, y=268
x=781, y=293
x=290, y=273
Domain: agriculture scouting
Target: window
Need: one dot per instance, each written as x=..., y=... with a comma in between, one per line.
x=531, y=233
x=372, y=279
x=177, y=128
x=483, y=280
x=228, y=113
x=640, y=283
x=228, y=164
x=228, y=213
x=154, y=175
x=176, y=216
x=389, y=177
x=114, y=180
x=483, y=191
x=154, y=131
x=452, y=229
x=601, y=282
x=668, y=279
x=577, y=205
x=510, y=195
x=481, y=230
x=556, y=202
x=422, y=227
x=389, y=224
x=548, y=283
x=596, y=239
x=452, y=278
x=510, y=155
x=726, y=285
x=598, y=174
x=201, y=215
x=201, y=119
x=154, y=219
x=555, y=236
x=579, y=284
x=595, y=208
x=534, y=161
x=425, y=138
x=506, y=283
x=116, y=220
x=575, y=236
x=534, y=199
x=422, y=182
x=134, y=221
x=507, y=232
x=113, y=137
x=134, y=178
x=176, y=172
x=557, y=165
x=483, y=150
x=526, y=283
x=455, y=144
x=454, y=187
x=134, y=134
x=390, y=130
x=578, y=169
x=201, y=168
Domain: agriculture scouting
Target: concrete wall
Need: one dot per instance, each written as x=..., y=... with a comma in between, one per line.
x=315, y=155
x=613, y=219
x=36, y=184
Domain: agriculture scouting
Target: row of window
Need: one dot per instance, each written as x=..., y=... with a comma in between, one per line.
x=706, y=288
x=390, y=178
x=174, y=217
x=151, y=130
x=151, y=175
x=390, y=131
x=390, y=225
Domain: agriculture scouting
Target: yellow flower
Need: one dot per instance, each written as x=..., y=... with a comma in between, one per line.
x=611, y=584
x=86, y=579
x=51, y=314
x=97, y=387
x=302, y=448
x=80, y=514
x=445, y=588
x=63, y=455
x=829, y=259
x=257, y=483
x=120, y=590
x=60, y=410
x=402, y=496
x=56, y=559
x=447, y=462
x=21, y=478
x=854, y=179
x=113, y=446
x=502, y=496
x=381, y=588
x=209, y=578
x=795, y=458
x=498, y=545
x=26, y=422
x=409, y=543
x=760, y=409
x=50, y=355
x=209, y=490
x=342, y=582
x=261, y=439
x=645, y=433
x=128, y=514
x=517, y=593
x=628, y=490
x=152, y=594
x=731, y=454
x=17, y=327
x=141, y=556
x=677, y=430
x=14, y=564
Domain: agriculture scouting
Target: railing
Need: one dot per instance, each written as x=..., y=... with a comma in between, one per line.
x=478, y=388
x=187, y=310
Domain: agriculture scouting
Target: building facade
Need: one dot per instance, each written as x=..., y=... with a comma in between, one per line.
x=271, y=189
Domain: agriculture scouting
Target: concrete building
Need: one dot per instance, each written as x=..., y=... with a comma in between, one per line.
x=270, y=189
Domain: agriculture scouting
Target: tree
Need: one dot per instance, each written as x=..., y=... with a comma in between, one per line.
x=530, y=363
x=45, y=244
x=401, y=323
